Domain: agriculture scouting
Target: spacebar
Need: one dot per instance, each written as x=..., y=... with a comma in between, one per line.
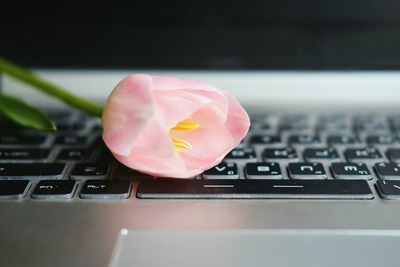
x=307, y=189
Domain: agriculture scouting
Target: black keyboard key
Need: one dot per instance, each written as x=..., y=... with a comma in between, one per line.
x=274, y=154
x=54, y=189
x=388, y=171
x=89, y=171
x=212, y=189
x=222, y=171
x=372, y=127
x=321, y=154
x=388, y=189
x=242, y=154
x=341, y=140
x=70, y=127
x=380, y=139
x=302, y=170
x=14, y=155
x=302, y=139
x=22, y=140
x=32, y=170
x=13, y=189
x=362, y=154
x=61, y=116
x=352, y=171
x=263, y=170
x=96, y=189
x=71, y=140
x=332, y=119
x=265, y=139
x=260, y=127
x=393, y=154
x=294, y=127
x=124, y=173
x=73, y=155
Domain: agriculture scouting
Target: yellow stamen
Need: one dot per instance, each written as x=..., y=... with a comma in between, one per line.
x=185, y=126
x=179, y=143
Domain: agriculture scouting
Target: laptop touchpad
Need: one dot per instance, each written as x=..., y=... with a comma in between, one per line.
x=256, y=248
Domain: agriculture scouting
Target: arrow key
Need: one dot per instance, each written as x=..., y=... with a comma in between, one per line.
x=388, y=170
x=388, y=189
x=222, y=171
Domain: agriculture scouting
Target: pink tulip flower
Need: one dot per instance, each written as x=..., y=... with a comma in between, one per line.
x=171, y=127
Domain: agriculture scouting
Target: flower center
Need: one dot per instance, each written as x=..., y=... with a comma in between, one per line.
x=183, y=126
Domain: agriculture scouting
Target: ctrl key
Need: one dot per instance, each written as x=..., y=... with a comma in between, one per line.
x=10, y=189
x=106, y=189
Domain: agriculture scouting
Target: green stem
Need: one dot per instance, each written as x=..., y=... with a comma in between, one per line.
x=49, y=88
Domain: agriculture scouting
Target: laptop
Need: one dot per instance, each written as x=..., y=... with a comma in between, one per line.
x=316, y=182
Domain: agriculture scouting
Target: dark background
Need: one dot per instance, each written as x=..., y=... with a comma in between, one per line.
x=318, y=34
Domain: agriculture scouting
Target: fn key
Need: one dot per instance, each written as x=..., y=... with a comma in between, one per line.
x=96, y=189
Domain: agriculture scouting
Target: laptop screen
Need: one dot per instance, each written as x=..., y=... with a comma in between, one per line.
x=282, y=35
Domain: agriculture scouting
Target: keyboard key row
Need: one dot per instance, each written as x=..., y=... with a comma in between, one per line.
x=36, y=171
x=314, y=154
x=330, y=139
x=53, y=189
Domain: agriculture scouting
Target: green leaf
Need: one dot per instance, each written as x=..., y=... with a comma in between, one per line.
x=49, y=88
x=25, y=115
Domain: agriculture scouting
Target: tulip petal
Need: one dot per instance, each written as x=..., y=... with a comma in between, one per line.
x=208, y=144
x=172, y=108
x=128, y=110
x=238, y=121
x=173, y=83
x=214, y=112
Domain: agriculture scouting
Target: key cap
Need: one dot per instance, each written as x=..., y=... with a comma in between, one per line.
x=54, y=189
x=302, y=170
x=289, y=127
x=393, y=154
x=14, y=155
x=265, y=139
x=241, y=154
x=274, y=154
x=260, y=127
x=13, y=189
x=341, y=139
x=70, y=127
x=351, y=171
x=70, y=140
x=222, y=171
x=89, y=171
x=307, y=189
x=73, y=155
x=372, y=127
x=21, y=140
x=388, y=171
x=263, y=170
x=96, y=189
x=32, y=170
x=362, y=155
x=302, y=139
x=321, y=154
x=61, y=116
x=388, y=189
x=124, y=173
x=380, y=139
x=335, y=118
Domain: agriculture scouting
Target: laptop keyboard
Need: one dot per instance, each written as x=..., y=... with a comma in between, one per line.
x=287, y=156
